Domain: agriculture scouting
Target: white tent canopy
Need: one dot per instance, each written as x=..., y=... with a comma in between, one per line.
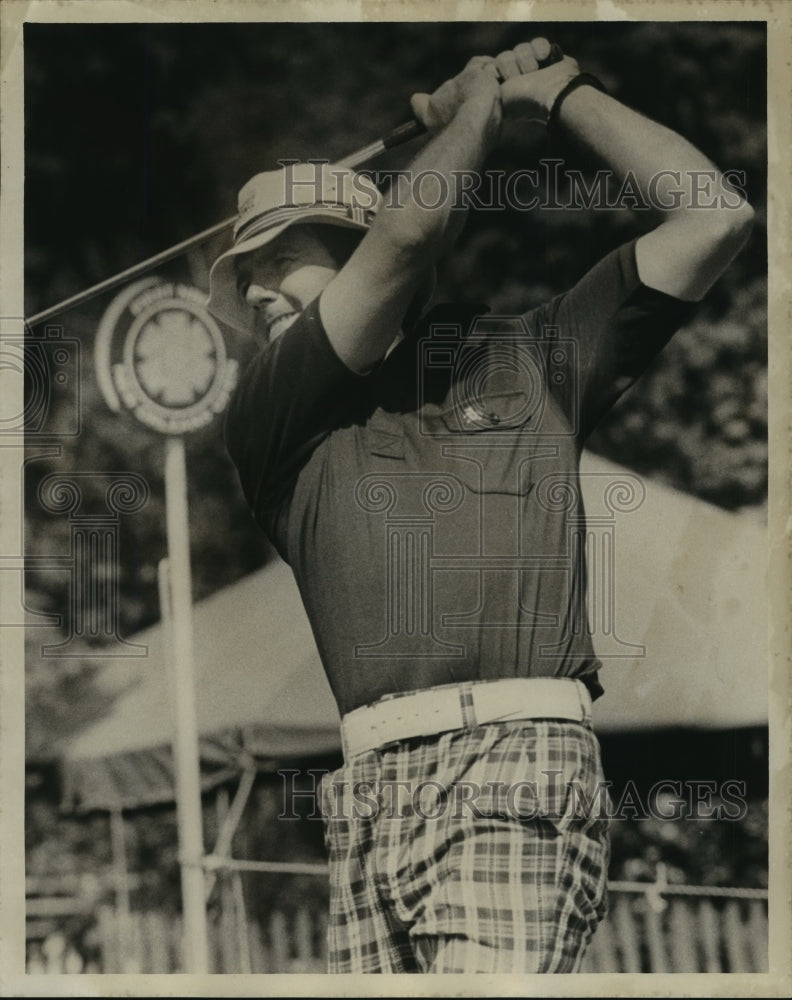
x=691, y=587
x=688, y=581
x=260, y=690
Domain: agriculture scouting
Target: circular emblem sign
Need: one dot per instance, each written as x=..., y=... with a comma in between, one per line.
x=160, y=354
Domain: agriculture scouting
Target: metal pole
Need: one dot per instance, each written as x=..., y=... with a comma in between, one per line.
x=188, y=778
x=121, y=878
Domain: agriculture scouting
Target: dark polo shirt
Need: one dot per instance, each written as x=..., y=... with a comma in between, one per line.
x=431, y=510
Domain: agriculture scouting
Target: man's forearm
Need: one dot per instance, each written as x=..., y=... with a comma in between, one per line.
x=667, y=169
x=424, y=228
x=706, y=222
x=363, y=307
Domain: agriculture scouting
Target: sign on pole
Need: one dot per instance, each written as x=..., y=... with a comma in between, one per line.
x=160, y=355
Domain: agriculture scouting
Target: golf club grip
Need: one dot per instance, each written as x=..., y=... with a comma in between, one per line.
x=403, y=133
x=412, y=129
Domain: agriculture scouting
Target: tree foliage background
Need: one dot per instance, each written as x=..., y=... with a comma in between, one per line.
x=140, y=135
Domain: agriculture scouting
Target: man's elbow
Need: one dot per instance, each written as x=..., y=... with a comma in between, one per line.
x=718, y=236
x=688, y=254
x=729, y=227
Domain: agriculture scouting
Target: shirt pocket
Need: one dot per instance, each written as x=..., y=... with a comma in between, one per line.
x=490, y=440
x=490, y=412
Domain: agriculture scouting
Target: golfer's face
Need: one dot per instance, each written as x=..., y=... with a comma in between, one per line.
x=280, y=279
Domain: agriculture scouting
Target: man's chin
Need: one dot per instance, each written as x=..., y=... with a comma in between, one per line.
x=280, y=325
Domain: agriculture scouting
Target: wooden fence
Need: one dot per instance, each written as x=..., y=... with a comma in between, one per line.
x=643, y=932
x=647, y=933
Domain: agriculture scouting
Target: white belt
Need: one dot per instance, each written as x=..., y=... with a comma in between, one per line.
x=463, y=706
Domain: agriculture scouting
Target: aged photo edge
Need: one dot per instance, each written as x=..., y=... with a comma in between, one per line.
x=778, y=14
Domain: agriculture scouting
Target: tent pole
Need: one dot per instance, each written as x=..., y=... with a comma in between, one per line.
x=231, y=821
x=188, y=778
x=123, y=908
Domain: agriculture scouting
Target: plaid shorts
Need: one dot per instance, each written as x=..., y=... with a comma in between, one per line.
x=477, y=850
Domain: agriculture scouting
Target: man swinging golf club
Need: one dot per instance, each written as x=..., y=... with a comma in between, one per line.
x=409, y=472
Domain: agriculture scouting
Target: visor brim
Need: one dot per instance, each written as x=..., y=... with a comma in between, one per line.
x=224, y=300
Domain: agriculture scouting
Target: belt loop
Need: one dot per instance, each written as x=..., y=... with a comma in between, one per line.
x=344, y=747
x=585, y=702
x=469, y=720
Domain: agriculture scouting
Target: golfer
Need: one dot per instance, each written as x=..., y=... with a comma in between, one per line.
x=419, y=472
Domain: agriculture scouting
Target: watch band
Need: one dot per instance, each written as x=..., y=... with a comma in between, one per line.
x=581, y=80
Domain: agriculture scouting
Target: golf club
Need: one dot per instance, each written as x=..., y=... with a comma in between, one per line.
x=400, y=134
x=396, y=137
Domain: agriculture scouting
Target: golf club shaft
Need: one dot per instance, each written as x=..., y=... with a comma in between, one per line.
x=131, y=272
x=396, y=137
x=401, y=134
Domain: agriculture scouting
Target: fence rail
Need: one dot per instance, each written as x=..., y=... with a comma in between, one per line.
x=689, y=933
x=708, y=929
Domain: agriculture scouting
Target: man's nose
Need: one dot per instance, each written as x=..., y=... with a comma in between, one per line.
x=258, y=296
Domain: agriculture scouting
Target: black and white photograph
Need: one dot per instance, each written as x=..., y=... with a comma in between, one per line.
x=395, y=484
